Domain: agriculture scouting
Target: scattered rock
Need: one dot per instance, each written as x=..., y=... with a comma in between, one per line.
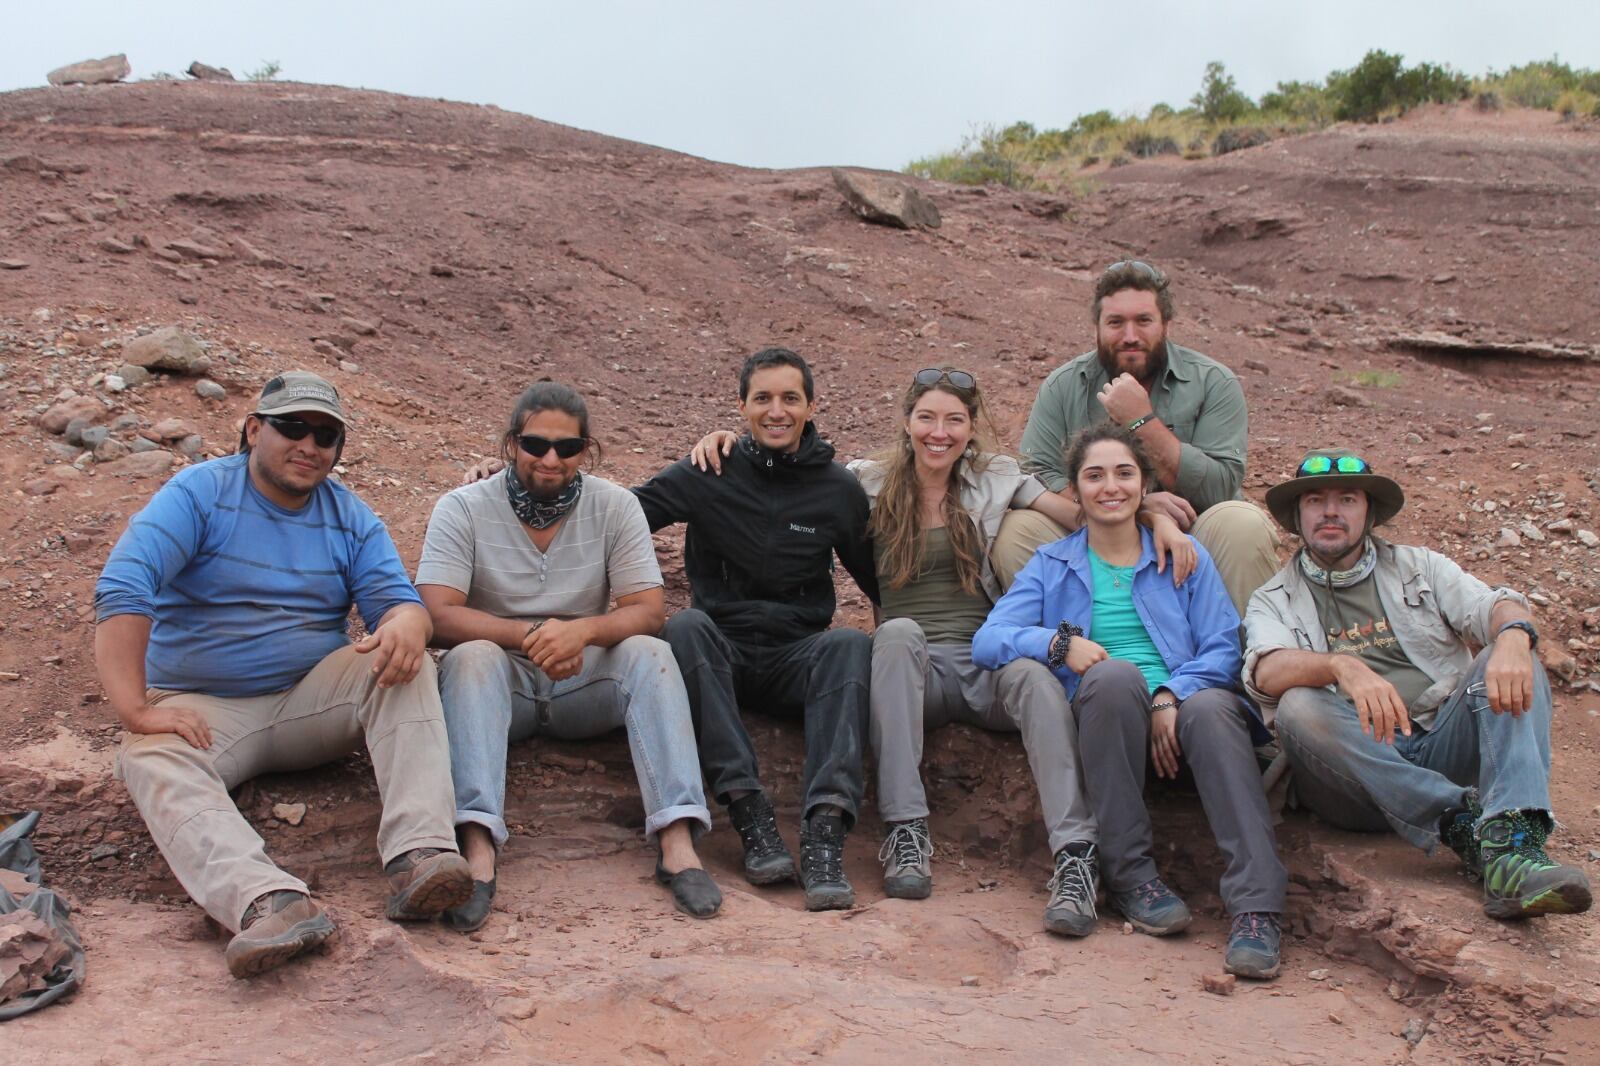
x=1508, y=539
x=293, y=813
x=195, y=250
x=141, y=464
x=57, y=418
x=168, y=348
x=207, y=389
x=13, y=264
x=91, y=436
x=1218, y=984
x=1587, y=538
x=348, y=367
x=571, y=763
x=1558, y=662
x=255, y=256
x=1317, y=975
x=439, y=270
x=1414, y=1031
x=1258, y=366
x=109, y=451
x=359, y=327
x=969, y=981
x=205, y=72
x=1561, y=525
x=1344, y=396
x=115, y=247
x=515, y=1008
x=1234, y=138
x=169, y=429
x=132, y=376
x=51, y=481
x=1530, y=531
x=885, y=200
x=91, y=71
x=192, y=447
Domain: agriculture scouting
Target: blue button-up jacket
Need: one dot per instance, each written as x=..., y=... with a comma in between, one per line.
x=1195, y=628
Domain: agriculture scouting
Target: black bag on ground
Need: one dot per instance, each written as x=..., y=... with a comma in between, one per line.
x=47, y=915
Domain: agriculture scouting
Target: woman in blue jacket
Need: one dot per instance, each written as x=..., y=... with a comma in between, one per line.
x=1149, y=669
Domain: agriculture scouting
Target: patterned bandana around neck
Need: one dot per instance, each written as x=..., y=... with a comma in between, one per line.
x=541, y=514
x=1340, y=579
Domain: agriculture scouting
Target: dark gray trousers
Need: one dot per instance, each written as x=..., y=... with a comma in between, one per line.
x=1112, y=705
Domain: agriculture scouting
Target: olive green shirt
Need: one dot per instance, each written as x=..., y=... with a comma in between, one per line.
x=934, y=599
x=1356, y=622
x=1196, y=397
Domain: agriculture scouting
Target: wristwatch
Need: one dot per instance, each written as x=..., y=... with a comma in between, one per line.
x=1060, y=643
x=1526, y=627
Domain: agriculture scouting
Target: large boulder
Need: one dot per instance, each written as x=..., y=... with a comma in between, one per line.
x=92, y=71
x=168, y=348
x=886, y=200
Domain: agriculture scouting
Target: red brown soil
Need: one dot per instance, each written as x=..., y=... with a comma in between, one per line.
x=489, y=248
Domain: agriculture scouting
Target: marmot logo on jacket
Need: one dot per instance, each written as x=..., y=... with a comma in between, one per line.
x=802, y=529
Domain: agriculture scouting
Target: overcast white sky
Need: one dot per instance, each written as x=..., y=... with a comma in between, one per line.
x=792, y=84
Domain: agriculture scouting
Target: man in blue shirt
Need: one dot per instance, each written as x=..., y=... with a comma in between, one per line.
x=221, y=645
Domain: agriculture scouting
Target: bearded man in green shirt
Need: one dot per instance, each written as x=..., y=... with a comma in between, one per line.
x=1187, y=410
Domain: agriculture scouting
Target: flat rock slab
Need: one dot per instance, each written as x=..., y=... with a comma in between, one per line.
x=887, y=201
x=168, y=348
x=92, y=71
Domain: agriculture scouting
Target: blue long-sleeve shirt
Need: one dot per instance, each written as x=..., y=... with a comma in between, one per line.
x=1195, y=628
x=244, y=596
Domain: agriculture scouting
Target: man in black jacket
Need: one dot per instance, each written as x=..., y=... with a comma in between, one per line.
x=759, y=555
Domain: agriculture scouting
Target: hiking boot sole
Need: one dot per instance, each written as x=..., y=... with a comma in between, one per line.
x=830, y=899
x=448, y=885
x=908, y=886
x=1570, y=897
x=259, y=956
x=771, y=872
x=1075, y=925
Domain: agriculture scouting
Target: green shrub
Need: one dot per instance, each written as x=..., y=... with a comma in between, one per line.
x=267, y=71
x=1219, y=100
x=1380, y=84
x=985, y=157
x=1236, y=137
x=1299, y=103
x=1575, y=103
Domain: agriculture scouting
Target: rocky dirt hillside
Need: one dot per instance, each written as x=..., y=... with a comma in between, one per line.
x=1421, y=290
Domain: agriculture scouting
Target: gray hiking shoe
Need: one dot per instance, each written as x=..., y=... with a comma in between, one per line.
x=1152, y=908
x=1073, y=889
x=906, y=855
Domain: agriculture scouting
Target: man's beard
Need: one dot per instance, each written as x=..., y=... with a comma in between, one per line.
x=1330, y=560
x=542, y=493
x=1155, y=361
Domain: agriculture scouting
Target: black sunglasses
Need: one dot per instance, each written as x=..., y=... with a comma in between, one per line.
x=537, y=446
x=933, y=375
x=296, y=429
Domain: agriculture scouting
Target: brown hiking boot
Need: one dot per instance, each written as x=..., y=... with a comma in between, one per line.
x=276, y=927
x=427, y=881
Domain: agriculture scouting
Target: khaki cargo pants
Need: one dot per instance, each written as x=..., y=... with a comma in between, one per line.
x=182, y=792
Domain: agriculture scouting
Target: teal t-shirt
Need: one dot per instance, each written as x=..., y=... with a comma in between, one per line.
x=1117, y=627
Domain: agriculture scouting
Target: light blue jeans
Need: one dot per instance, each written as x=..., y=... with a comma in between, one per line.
x=1353, y=782
x=494, y=698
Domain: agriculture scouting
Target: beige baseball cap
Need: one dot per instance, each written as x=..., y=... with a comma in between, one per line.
x=300, y=390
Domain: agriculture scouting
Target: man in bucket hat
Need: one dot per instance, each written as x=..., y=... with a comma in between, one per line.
x=221, y=645
x=1360, y=646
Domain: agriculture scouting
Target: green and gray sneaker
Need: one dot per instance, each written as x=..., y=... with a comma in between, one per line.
x=1519, y=879
x=1458, y=828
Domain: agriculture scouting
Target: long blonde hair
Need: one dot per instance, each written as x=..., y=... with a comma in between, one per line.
x=896, y=523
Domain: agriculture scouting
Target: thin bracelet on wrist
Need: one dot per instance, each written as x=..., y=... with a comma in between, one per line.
x=1133, y=427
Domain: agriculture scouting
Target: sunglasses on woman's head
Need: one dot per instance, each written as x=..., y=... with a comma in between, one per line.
x=296, y=429
x=933, y=376
x=537, y=446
